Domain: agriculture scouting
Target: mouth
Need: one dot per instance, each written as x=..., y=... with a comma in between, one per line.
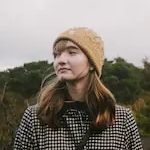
x=63, y=69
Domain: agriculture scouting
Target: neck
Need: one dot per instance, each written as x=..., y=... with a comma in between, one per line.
x=77, y=89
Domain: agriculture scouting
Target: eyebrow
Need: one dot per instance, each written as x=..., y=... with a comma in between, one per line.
x=69, y=47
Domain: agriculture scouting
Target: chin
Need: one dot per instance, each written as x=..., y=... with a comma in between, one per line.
x=63, y=78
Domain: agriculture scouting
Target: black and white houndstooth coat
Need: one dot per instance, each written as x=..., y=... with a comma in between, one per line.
x=31, y=135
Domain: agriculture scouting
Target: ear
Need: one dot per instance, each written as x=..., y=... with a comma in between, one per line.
x=91, y=68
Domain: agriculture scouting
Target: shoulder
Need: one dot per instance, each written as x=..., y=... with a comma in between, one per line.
x=125, y=117
x=30, y=112
x=123, y=112
x=122, y=109
x=31, y=109
x=29, y=118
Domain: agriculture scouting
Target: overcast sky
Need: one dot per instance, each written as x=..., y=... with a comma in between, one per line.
x=29, y=27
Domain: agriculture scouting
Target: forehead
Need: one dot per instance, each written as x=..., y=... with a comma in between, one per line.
x=65, y=44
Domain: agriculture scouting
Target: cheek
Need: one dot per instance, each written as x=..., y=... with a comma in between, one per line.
x=81, y=63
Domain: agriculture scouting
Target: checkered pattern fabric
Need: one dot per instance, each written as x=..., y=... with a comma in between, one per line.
x=31, y=135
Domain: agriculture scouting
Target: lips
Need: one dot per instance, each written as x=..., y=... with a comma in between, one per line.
x=63, y=69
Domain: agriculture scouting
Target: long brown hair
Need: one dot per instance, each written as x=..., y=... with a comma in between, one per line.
x=99, y=100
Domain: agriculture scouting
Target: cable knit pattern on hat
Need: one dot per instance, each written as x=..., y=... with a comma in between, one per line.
x=89, y=42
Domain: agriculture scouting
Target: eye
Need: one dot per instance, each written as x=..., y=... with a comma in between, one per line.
x=72, y=52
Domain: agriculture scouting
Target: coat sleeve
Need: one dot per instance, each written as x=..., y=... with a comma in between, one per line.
x=132, y=138
x=24, y=134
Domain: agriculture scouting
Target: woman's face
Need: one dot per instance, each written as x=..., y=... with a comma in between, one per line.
x=70, y=63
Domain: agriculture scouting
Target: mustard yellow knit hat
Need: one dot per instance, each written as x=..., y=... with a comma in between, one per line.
x=89, y=42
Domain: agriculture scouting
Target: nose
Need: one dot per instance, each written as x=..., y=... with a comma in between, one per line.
x=62, y=59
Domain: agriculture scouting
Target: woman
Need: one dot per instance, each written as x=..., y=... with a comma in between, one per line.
x=76, y=111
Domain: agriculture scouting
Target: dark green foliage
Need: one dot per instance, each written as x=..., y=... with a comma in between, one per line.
x=11, y=111
x=123, y=79
x=4, y=78
x=27, y=84
x=26, y=80
x=143, y=120
x=146, y=75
